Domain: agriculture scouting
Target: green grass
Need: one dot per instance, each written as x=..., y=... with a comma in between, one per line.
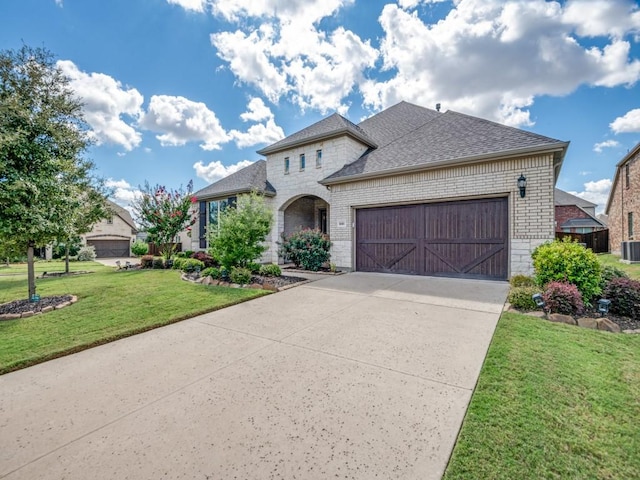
x=553, y=402
x=111, y=305
x=633, y=270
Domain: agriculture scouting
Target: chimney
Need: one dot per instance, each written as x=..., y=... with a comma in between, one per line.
x=437, y=107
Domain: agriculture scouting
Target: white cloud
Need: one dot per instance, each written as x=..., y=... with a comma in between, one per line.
x=289, y=56
x=214, y=171
x=191, y=5
x=606, y=144
x=180, y=120
x=266, y=132
x=629, y=122
x=123, y=193
x=584, y=173
x=59, y=3
x=492, y=58
x=596, y=192
x=108, y=106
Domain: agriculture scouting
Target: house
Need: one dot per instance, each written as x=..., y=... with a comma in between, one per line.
x=112, y=237
x=623, y=205
x=408, y=190
x=575, y=214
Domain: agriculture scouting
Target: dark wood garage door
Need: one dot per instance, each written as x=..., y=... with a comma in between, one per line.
x=110, y=248
x=466, y=239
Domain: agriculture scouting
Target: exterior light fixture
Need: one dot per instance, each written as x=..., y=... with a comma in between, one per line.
x=603, y=306
x=539, y=301
x=522, y=185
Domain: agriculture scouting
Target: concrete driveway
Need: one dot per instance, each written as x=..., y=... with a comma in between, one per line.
x=355, y=376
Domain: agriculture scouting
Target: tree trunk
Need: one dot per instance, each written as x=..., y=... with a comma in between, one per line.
x=31, y=276
x=66, y=257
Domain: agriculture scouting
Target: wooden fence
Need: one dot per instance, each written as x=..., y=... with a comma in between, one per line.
x=596, y=241
x=155, y=249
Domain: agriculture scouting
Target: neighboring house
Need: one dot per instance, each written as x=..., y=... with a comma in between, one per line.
x=112, y=237
x=408, y=190
x=623, y=206
x=575, y=214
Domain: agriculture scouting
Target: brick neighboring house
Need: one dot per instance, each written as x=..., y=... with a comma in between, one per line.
x=623, y=205
x=408, y=190
x=112, y=237
x=575, y=214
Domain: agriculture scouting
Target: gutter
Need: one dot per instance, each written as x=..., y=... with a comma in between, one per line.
x=560, y=147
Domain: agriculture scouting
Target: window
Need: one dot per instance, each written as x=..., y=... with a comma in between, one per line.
x=627, y=176
x=110, y=221
x=630, y=220
x=318, y=158
x=286, y=165
x=216, y=207
x=202, y=230
x=303, y=162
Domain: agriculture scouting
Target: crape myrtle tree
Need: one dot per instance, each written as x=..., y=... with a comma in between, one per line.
x=42, y=139
x=164, y=213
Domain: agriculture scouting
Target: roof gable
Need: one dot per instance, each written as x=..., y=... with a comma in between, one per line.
x=561, y=198
x=251, y=177
x=444, y=139
x=123, y=213
x=332, y=126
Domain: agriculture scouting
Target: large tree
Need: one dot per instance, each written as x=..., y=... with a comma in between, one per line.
x=42, y=139
x=164, y=213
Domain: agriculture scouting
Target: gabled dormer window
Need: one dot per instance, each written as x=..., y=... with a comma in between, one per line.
x=318, y=158
x=286, y=165
x=303, y=162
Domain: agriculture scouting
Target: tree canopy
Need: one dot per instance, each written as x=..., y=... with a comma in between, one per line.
x=42, y=139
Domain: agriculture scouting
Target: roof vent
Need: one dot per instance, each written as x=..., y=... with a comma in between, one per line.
x=437, y=107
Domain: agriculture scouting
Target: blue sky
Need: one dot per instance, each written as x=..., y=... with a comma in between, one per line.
x=176, y=90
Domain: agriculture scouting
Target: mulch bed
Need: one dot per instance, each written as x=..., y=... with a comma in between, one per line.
x=22, y=306
x=278, y=282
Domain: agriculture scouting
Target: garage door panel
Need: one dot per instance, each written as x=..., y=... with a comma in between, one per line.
x=460, y=239
x=110, y=248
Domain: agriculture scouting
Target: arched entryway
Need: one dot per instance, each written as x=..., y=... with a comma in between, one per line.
x=306, y=212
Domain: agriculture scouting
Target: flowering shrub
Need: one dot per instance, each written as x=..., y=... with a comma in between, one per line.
x=568, y=261
x=306, y=248
x=164, y=213
x=563, y=297
x=624, y=294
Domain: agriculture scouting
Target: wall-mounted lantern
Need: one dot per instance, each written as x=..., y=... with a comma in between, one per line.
x=522, y=185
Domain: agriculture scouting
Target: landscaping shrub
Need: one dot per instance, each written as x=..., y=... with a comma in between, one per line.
x=306, y=248
x=567, y=261
x=178, y=262
x=60, y=249
x=270, y=270
x=609, y=272
x=191, y=265
x=563, y=297
x=205, y=258
x=146, y=261
x=521, y=297
x=624, y=294
x=522, y=281
x=240, y=275
x=158, y=263
x=239, y=237
x=87, y=253
x=212, y=272
x=254, y=267
x=139, y=248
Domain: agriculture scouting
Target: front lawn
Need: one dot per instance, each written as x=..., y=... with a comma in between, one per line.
x=111, y=304
x=553, y=402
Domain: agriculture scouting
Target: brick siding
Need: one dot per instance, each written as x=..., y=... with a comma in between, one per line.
x=624, y=200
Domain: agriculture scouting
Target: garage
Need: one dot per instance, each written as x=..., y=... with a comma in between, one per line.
x=110, y=248
x=462, y=239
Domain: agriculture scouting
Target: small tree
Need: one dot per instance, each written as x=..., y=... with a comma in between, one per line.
x=164, y=213
x=239, y=237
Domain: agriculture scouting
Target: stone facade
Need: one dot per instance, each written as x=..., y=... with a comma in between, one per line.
x=112, y=229
x=624, y=199
x=531, y=218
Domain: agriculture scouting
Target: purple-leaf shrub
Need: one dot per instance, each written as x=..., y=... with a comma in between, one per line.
x=624, y=294
x=563, y=297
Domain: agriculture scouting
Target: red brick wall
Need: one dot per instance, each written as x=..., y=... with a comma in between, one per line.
x=567, y=212
x=624, y=200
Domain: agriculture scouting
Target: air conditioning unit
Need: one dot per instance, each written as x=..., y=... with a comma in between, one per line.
x=631, y=251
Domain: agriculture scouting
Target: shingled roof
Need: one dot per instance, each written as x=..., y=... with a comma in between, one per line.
x=562, y=198
x=332, y=126
x=418, y=138
x=252, y=177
